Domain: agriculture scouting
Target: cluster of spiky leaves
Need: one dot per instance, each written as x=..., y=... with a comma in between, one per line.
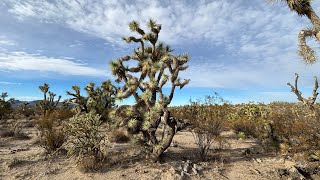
x=304, y=8
x=99, y=100
x=84, y=137
x=153, y=65
x=5, y=105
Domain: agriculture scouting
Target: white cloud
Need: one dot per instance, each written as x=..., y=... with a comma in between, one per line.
x=17, y=61
x=220, y=21
x=256, y=42
x=6, y=42
x=9, y=83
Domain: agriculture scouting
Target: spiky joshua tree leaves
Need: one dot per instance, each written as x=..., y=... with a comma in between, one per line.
x=144, y=74
x=304, y=8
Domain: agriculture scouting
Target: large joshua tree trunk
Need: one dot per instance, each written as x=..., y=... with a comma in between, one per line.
x=156, y=66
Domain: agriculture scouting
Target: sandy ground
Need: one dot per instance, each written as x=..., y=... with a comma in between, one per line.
x=234, y=159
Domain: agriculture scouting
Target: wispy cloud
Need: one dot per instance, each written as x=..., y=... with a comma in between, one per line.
x=221, y=21
x=6, y=42
x=9, y=83
x=247, y=44
x=17, y=61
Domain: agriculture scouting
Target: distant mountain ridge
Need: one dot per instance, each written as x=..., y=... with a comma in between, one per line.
x=17, y=103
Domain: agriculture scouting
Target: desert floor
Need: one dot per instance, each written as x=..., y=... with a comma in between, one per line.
x=233, y=159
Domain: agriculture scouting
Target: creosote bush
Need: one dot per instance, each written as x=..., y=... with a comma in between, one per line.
x=208, y=118
x=250, y=119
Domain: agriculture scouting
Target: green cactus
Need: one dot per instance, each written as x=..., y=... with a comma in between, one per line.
x=156, y=66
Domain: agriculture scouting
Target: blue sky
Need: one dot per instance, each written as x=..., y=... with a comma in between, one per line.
x=244, y=50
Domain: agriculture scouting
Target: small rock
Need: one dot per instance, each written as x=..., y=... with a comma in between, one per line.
x=283, y=172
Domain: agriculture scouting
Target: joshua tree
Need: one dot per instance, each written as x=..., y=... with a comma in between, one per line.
x=309, y=102
x=5, y=105
x=48, y=103
x=152, y=65
x=100, y=100
x=304, y=8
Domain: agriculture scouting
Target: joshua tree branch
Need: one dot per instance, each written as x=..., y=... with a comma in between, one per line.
x=306, y=101
x=305, y=51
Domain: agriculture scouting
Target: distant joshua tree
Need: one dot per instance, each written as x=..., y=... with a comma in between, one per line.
x=304, y=8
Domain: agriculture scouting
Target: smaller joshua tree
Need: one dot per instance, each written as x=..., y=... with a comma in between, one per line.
x=99, y=100
x=48, y=103
x=49, y=126
x=152, y=66
x=309, y=102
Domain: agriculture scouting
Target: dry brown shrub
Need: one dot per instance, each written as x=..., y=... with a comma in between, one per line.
x=119, y=136
x=208, y=118
x=51, y=132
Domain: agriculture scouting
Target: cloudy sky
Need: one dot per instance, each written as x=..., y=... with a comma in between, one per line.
x=244, y=50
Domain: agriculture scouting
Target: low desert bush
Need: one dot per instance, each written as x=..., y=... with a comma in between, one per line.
x=14, y=130
x=25, y=110
x=296, y=126
x=119, y=136
x=51, y=133
x=285, y=127
x=6, y=133
x=84, y=138
x=249, y=120
x=208, y=121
